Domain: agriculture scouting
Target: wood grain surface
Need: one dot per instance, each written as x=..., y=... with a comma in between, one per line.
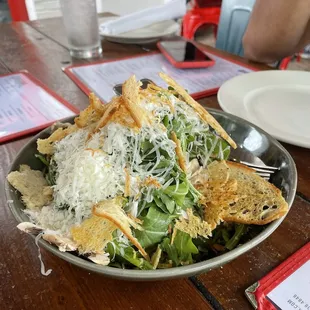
x=229, y=283
x=68, y=287
x=40, y=47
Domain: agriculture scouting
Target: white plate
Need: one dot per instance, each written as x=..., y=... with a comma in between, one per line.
x=144, y=35
x=276, y=101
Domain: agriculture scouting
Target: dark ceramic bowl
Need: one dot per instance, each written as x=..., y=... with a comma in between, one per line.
x=245, y=134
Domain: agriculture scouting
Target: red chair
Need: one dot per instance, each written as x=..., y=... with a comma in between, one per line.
x=285, y=62
x=18, y=10
x=202, y=13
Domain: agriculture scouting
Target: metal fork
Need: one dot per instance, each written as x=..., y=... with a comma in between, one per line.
x=245, y=157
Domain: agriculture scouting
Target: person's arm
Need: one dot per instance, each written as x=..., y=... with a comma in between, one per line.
x=277, y=29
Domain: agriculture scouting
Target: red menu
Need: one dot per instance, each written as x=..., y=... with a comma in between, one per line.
x=286, y=287
x=101, y=77
x=26, y=106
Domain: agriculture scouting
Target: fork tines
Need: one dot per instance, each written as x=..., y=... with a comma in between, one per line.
x=263, y=171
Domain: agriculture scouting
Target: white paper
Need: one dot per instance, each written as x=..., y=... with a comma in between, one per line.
x=101, y=78
x=25, y=105
x=294, y=292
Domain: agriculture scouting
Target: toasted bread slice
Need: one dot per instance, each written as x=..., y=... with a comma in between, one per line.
x=217, y=202
x=215, y=183
x=111, y=210
x=93, y=234
x=32, y=185
x=112, y=107
x=193, y=225
x=123, y=117
x=92, y=113
x=219, y=191
x=46, y=146
x=130, y=94
x=244, y=197
x=259, y=202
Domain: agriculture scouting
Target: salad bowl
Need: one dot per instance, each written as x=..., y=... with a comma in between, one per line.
x=245, y=134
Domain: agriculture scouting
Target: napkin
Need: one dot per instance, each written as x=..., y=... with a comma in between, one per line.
x=170, y=10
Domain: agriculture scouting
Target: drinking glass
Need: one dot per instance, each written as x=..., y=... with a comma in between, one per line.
x=81, y=26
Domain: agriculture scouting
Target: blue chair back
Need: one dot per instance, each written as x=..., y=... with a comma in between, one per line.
x=234, y=19
x=4, y=12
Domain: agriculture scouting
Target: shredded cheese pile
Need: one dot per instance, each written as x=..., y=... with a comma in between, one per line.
x=93, y=169
x=89, y=171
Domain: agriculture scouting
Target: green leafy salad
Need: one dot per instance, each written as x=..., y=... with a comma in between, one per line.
x=128, y=182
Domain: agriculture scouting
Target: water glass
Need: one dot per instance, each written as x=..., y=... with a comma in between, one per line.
x=81, y=26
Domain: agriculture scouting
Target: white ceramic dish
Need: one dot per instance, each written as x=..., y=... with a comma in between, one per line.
x=276, y=101
x=145, y=35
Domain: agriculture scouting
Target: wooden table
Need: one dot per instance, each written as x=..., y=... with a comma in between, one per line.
x=41, y=48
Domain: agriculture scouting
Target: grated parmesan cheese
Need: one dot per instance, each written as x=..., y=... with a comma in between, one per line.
x=92, y=170
x=52, y=218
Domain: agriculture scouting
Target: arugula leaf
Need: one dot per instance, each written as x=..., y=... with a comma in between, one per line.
x=171, y=251
x=51, y=172
x=180, y=252
x=207, y=141
x=188, y=203
x=185, y=246
x=163, y=163
x=166, y=121
x=169, y=203
x=220, y=145
x=116, y=250
x=177, y=194
x=159, y=203
x=42, y=158
x=146, y=145
x=240, y=230
x=164, y=202
x=155, y=227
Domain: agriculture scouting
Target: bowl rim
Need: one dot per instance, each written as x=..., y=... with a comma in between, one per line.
x=169, y=273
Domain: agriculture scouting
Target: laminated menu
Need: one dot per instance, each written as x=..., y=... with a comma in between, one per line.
x=26, y=106
x=286, y=287
x=102, y=77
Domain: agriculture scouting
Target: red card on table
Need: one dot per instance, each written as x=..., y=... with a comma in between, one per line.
x=286, y=287
x=27, y=106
